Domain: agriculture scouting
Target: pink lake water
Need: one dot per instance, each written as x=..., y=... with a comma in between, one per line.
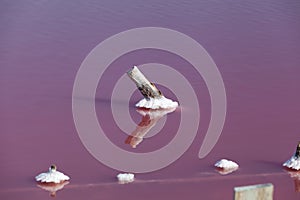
x=255, y=44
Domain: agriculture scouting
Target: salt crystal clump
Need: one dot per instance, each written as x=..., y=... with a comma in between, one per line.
x=52, y=176
x=157, y=103
x=226, y=164
x=125, y=177
x=293, y=163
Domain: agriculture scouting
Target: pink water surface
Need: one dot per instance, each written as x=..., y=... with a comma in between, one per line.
x=255, y=44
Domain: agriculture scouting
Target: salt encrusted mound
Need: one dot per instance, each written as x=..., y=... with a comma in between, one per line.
x=157, y=103
x=52, y=176
x=293, y=163
x=125, y=178
x=226, y=164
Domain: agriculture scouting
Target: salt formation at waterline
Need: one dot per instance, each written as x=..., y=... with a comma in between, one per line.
x=52, y=176
x=226, y=166
x=153, y=98
x=156, y=103
x=294, y=161
x=125, y=178
x=52, y=188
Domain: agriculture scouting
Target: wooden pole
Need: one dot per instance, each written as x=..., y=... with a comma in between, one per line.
x=147, y=88
x=297, y=154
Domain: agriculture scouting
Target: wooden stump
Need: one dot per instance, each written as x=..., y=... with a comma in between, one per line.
x=297, y=154
x=147, y=88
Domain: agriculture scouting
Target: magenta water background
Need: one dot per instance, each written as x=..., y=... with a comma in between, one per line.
x=255, y=44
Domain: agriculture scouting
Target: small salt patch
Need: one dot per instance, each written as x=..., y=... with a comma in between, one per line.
x=52, y=176
x=226, y=164
x=157, y=103
x=293, y=163
x=125, y=177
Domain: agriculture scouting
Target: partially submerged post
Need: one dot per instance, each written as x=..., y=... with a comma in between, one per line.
x=259, y=192
x=297, y=154
x=147, y=88
x=294, y=161
x=153, y=98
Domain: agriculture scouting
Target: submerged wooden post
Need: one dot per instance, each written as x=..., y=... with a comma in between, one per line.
x=257, y=192
x=153, y=98
x=294, y=161
x=147, y=88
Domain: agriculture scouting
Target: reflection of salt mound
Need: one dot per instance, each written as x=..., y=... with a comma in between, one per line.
x=154, y=114
x=294, y=174
x=52, y=176
x=226, y=171
x=52, y=188
x=226, y=164
x=157, y=103
x=125, y=178
x=293, y=163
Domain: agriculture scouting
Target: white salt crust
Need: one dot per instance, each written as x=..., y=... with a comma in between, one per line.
x=293, y=163
x=157, y=103
x=226, y=164
x=52, y=176
x=125, y=177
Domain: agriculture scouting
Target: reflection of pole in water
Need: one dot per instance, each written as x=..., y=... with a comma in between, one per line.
x=149, y=119
x=297, y=185
x=141, y=130
x=296, y=177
